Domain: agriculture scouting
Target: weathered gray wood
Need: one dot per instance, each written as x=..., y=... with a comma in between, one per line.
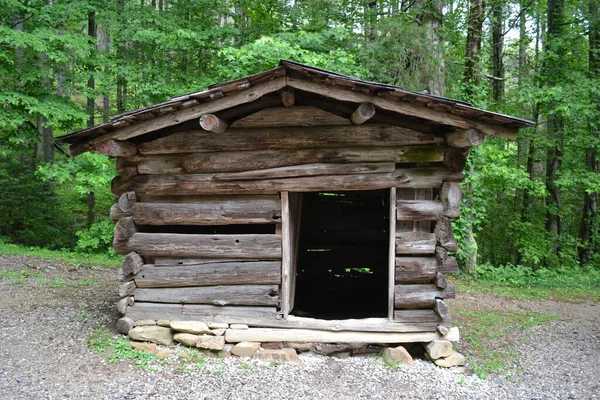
x=116, y=148
x=116, y=214
x=267, y=317
x=443, y=234
x=205, y=184
x=199, y=199
x=132, y=263
x=363, y=113
x=441, y=309
x=208, y=213
x=419, y=210
x=287, y=97
x=124, y=325
x=190, y=245
x=440, y=281
x=310, y=170
x=411, y=268
x=423, y=194
x=456, y=159
x=375, y=135
x=321, y=336
x=405, y=108
x=447, y=264
x=421, y=317
x=211, y=274
x=183, y=261
x=291, y=205
x=122, y=305
x=124, y=229
x=122, y=277
x=241, y=295
x=212, y=123
x=391, y=253
x=261, y=159
x=230, y=314
x=421, y=295
x=415, y=243
x=294, y=116
x=199, y=184
x=451, y=196
x=178, y=116
x=465, y=138
x=126, y=201
x=126, y=289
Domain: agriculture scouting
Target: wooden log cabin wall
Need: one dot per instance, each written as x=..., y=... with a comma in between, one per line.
x=297, y=199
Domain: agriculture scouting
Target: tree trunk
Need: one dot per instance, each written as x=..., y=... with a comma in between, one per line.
x=589, y=226
x=498, y=49
x=473, y=50
x=429, y=14
x=555, y=122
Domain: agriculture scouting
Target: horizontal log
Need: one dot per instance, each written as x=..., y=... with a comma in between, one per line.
x=447, y=264
x=451, y=196
x=443, y=234
x=116, y=214
x=116, y=148
x=124, y=229
x=225, y=246
x=126, y=289
x=241, y=295
x=465, y=138
x=320, y=336
x=126, y=201
x=208, y=213
x=441, y=309
x=422, y=316
x=415, y=243
x=456, y=159
x=214, y=273
x=440, y=281
x=310, y=170
x=418, y=210
x=267, y=317
x=378, y=135
x=200, y=184
x=212, y=123
x=421, y=295
x=363, y=113
x=411, y=268
x=132, y=263
x=183, y=261
x=295, y=116
x=237, y=161
x=287, y=97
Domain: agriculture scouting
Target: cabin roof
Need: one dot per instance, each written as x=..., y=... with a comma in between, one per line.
x=290, y=74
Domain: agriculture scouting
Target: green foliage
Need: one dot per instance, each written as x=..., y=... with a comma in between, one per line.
x=119, y=348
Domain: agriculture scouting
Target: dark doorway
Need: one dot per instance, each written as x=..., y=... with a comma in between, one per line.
x=342, y=267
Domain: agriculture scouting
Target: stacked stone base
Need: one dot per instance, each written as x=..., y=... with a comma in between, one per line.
x=210, y=338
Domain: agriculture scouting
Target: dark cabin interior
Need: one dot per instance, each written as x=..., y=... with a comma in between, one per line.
x=342, y=268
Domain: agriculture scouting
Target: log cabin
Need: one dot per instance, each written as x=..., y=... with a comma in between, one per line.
x=305, y=204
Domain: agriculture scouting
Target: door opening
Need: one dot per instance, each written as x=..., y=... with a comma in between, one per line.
x=342, y=266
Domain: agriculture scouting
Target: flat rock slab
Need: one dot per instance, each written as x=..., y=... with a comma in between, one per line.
x=439, y=349
x=187, y=339
x=154, y=334
x=282, y=356
x=164, y=353
x=218, y=325
x=454, y=360
x=245, y=349
x=210, y=342
x=144, y=322
x=397, y=354
x=238, y=326
x=147, y=347
x=195, y=327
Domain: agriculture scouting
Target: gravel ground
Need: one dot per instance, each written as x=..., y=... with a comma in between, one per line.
x=44, y=330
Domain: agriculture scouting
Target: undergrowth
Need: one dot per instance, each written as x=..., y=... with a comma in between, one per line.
x=119, y=348
x=519, y=282
x=77, y=259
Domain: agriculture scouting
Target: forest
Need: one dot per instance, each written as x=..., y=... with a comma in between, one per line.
x=532, y=203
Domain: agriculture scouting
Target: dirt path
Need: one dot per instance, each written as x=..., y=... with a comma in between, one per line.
x=48, y=310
